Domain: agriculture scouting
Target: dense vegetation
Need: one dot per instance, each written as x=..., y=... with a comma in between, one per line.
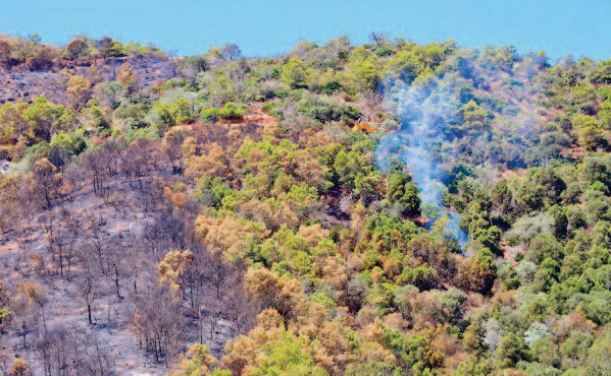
x=273, y=168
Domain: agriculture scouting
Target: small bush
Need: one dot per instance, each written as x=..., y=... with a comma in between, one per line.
x=229, y=111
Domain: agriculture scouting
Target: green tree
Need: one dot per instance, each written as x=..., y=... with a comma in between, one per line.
x=510, y=351
x=287, y=357
x=474, y=366
x=407, y=64
x=45, y=119
x=403, y=193
x=597, y=363
x=475, y=119
x=589, y=131
x=598, y=169
x=296, y=73
x=605, y=115
x=602, y=73
x=363, y=71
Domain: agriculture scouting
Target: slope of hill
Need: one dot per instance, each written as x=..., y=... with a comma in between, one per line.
x=23, y=84
x=382, y=209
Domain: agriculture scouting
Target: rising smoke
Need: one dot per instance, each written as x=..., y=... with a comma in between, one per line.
x=427, y=142
x=427, y=111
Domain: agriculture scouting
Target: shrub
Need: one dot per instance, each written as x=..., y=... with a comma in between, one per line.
x=229, y=111
x=324, y=109
x=296, y=74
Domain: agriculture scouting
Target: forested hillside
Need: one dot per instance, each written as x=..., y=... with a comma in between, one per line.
x=382, y=209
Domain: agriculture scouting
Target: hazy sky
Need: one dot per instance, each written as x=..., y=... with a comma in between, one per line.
x=579, y=27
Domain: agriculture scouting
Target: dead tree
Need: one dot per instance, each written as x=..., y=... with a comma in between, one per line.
x=64, y=352
x=59, y=244
x=157, y=321
x=46, y=182
x=89, y=292
x=29, y=308
x=115, y=260
x=98, y=240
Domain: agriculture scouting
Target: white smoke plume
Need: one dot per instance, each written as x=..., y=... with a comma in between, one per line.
x=427, y=112
x=429, y=140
